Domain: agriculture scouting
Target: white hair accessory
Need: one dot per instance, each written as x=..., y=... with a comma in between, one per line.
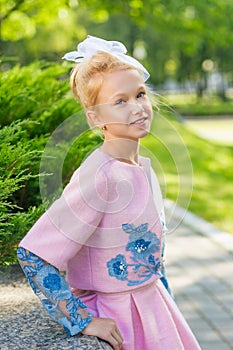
x=91, y=45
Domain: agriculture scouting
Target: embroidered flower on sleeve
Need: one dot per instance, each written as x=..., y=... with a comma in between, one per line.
x=142, y=244
x=117, y=267
x=52, y=282
x=52, y=288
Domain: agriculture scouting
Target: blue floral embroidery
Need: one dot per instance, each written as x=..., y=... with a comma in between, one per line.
x=52, y=282
x=51, y=288
x=117, y=267
x=143, y=244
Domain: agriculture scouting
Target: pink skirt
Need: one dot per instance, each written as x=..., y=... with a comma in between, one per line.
x=147, y=317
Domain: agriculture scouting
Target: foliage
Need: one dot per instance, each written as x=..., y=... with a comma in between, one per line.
x=38, y=92
x=30, y=13
x=176, y=36
x=18, y=178
x=35, y=104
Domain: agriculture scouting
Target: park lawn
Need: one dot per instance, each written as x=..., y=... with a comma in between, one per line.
x=211, y=196
x=189, y=105
x=220, y=130
x=204, y=109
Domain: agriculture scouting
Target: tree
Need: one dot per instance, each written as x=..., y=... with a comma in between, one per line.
x=36, y=29
x=176, y=35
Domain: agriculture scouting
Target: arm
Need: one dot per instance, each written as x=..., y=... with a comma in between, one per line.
x=54, y=293
x=57, y=298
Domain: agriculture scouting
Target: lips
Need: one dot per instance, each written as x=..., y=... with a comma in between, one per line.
x=138, y=121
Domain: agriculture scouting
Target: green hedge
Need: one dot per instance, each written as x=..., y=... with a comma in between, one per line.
x=18, y=187
x=35, y=101
x=39, y=92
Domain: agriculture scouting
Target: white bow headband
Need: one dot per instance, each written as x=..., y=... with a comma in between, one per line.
x=91, y=45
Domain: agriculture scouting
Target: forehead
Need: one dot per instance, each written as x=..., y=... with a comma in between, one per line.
x=123, y=81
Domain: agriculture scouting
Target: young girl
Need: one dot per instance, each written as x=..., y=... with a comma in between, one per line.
x=106, y=230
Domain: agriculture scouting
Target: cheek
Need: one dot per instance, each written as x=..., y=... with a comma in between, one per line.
x=118, y=114
x=147, y=104
x=148, y=109
x=105, y=113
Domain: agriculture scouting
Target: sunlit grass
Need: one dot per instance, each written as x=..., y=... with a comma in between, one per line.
x=190, y=105
x=212, y=195
x=220, y=130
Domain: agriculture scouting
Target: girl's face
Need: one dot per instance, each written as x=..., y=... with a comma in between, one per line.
x=123, y=106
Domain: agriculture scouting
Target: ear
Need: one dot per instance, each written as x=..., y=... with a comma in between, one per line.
x=93, y=119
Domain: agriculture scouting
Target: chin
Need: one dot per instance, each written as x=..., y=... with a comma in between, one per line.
x=144, y=134
x=141, y=135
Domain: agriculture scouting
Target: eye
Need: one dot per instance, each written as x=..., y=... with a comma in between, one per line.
x=120, y=102
x=141, y=94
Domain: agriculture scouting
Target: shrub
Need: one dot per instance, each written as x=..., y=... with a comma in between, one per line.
x=18, y=173
x=38, y=92
x=36, y=99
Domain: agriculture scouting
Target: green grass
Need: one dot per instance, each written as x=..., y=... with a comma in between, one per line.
x=212, y=163
x=189, y=105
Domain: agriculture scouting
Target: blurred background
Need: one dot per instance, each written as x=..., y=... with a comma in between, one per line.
x=187, y=48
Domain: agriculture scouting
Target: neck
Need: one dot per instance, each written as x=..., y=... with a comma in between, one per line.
x=122, y=149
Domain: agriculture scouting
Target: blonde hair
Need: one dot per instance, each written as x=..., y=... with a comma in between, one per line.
x=87, y=77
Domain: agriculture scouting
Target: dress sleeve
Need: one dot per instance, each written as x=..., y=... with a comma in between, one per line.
x=70, y=221
x=54, y=293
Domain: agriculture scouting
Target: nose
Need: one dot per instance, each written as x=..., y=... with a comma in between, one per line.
x=137, y=108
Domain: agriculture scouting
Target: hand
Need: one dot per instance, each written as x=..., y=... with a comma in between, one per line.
x=106, y=329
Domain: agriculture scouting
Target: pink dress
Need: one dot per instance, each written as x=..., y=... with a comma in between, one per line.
x=105, y=231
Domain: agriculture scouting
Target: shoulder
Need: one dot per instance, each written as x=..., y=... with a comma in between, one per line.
x=89, y=180
x=91, y=165
x=145, y=161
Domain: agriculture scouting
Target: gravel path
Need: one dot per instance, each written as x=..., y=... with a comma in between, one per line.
x=24, y=324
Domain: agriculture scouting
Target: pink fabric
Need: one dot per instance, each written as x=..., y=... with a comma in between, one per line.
x=148, y=318
x=82, y=233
